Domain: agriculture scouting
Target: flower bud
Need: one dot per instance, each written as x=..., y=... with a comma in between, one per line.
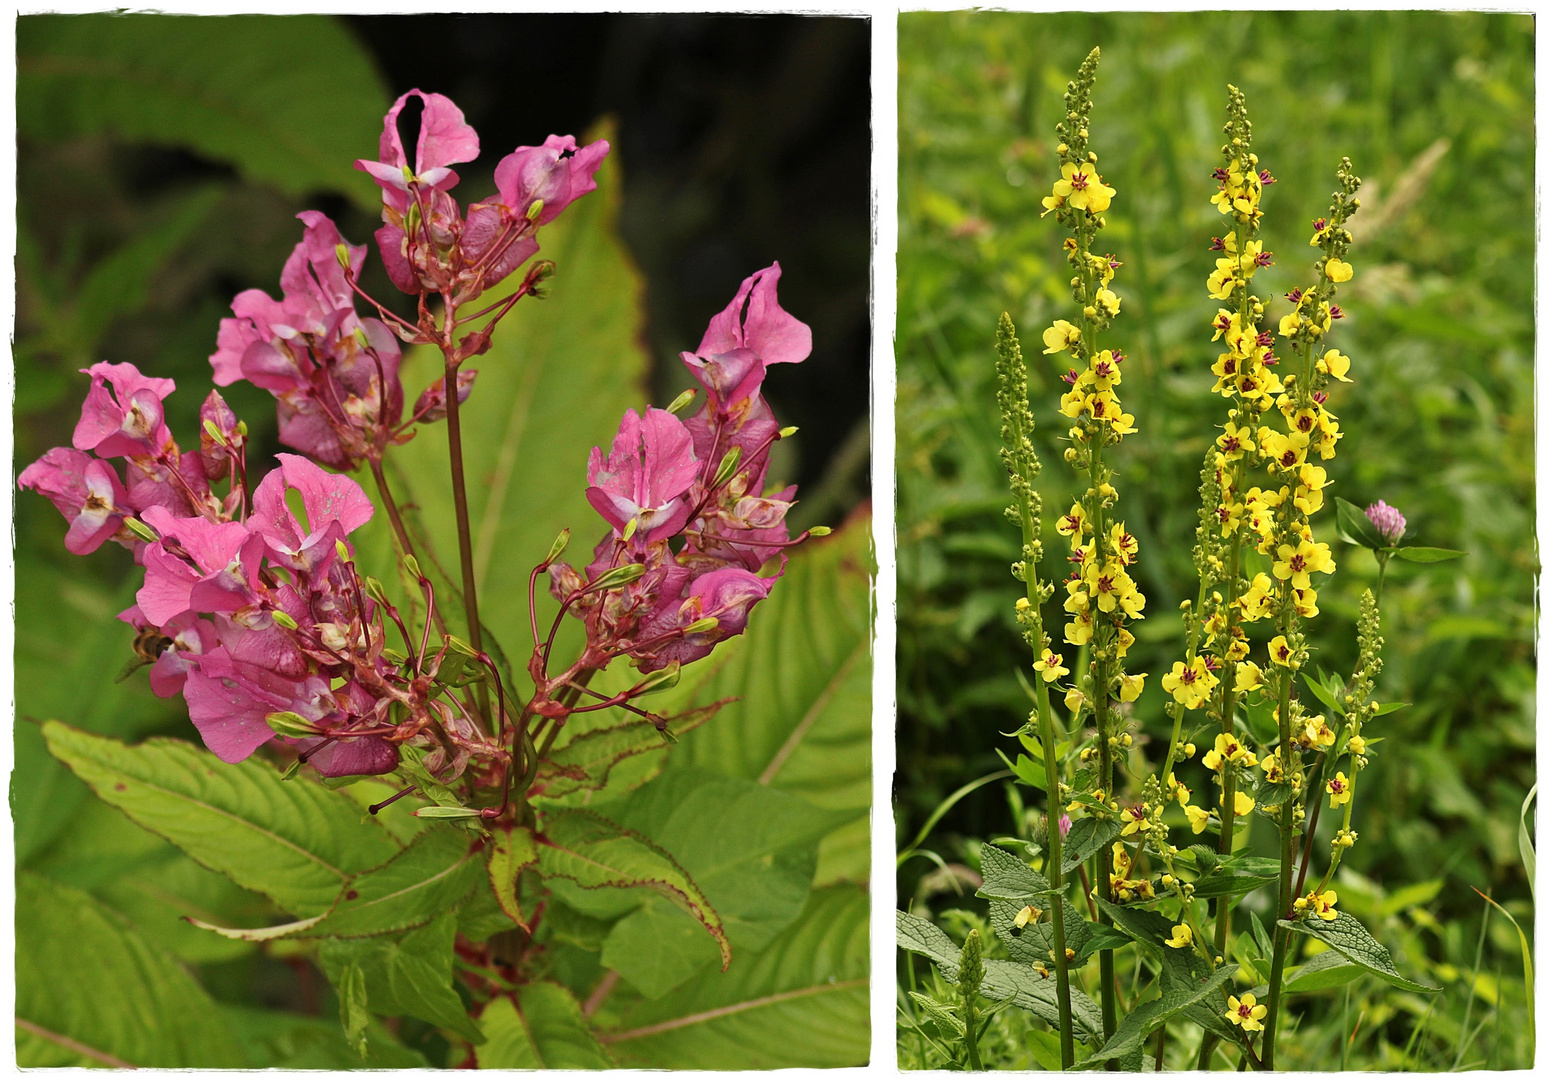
x=534, y=211
x=557, y=548
x=656, y=681
x=411, y=564
x=447, y=812
x=456, y=644
x=341, y=253
x=727, y=467
x=342, y=549
x=374, y=589
x=142, y=530
x=618, y=576
x=970, y=971
x=786, y=432
x=682, y=401
x=281, y=619
x=818, y=530
x=702, y=626
x=292, y=725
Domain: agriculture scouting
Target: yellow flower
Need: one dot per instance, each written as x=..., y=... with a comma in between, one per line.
x=1248, y=676
x=1245, y=1013
x=1121, y=863
x=1305, y=603
x=1340, y=790
x=1335, y=364
x=1108, y=301
x=1190, y=684
x=1059, y=336
x=1243, y=804
x=1338, y=270
x=1181, y=936
x=1124, y=639
x=1198, y=817
x=1080, y=630
x=1123, y=544
x=1104, y=372
x=1082, y=188
x=1027, y=914
x=1181, y=791
x=1051, y=665
x=1271, y=770
x=1235, y=441
x=1287, y=451
x=1136, y=819
x=1319, y=732
x=1257, y=601
x=1356, y=744
x=1280, y=652
x=1073, y=524
x=1296, y=564
x=1133, y=686
x=1321, y=903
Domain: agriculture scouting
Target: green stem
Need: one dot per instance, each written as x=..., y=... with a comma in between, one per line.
x=970, y=1018
x=464, y=524
x=1286, y=867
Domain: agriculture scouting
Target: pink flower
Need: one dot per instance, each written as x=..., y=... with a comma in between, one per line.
x=754, y=320
x=85, y=490
x=557, y=173
x=644, y=478
x=126, y=421
x=726, y=595
x=197, y=566
x=1388, y=521
x=335, y=507
x=229, y=703
x=445, y=138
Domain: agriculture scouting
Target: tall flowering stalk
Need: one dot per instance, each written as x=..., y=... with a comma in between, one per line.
x=1102, y=596
x=262, y=620
x=1021, y=462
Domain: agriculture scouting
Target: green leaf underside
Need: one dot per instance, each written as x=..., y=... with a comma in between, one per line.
x=1349, y=937
x=593, y=853
x=512, y=849
x=754, y=866
x=1325, y=971
x=1007, y=878
x=1019, y=984
x=1427, y=554
x=585, y=762
x=407, y=975
x=138, y=1007
x=801, y=1002
x=547, y=1031
x=290, y=102
x=1147, y=927
x=295, y=842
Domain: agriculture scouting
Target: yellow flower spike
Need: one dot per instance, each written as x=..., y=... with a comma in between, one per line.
x=1051, y=665
x=1335, y=364
x=1244, y=804
x=1340, y=790
x=1059, y=336
x=1245, y=1013
x=1197, y=817
x=1181, y=936
x=1339, y=271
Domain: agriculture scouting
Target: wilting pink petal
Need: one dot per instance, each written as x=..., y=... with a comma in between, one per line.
x=370, y=755
x=431, y=406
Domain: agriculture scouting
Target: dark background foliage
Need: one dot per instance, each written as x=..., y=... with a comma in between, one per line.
x=1436, y=111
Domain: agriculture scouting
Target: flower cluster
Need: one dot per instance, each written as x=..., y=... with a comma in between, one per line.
x=695, y=539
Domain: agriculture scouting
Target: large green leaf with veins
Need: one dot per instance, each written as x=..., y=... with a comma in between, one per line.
x=290, y=102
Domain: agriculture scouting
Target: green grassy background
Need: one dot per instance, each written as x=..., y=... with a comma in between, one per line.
x=1436, y=111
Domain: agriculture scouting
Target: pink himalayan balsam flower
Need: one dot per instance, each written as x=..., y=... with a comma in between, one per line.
x=644, y=478
x=85, y=490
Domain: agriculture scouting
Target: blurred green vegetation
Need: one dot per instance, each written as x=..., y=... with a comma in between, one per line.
x=1436, y=110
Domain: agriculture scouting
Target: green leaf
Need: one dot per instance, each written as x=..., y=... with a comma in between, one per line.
x=547, y=1031
x=943, y=1016
x=405, y=976
x=1525, y=962
x=427, y=878
x=1527, y=848
x=800, y=677
x=280, y=1040
x=512, y=849
x=1031, y=773
x=92, y=991
x=295, y=842
x=585, y=762
x=595, y=854
x=1355, y=528
x=754, y=866
x=69, y=654
x=1007, y=878
x=1427, y=554
x=1323, y=693
x=1086, y=837
x=1226, y=881
x=353, y=1006
x=1324, y=972
x=1019, y=984
x=1147, y=927
x=558, y=376
x=1176, y=994
x=1349, y=937
x=290, y=102
x=802, y=1002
